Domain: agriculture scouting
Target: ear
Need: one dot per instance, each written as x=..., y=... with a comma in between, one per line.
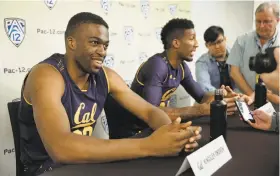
x=71, y=43
x=176, y=43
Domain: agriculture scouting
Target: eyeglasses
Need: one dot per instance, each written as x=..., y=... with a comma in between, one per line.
x=265, y=22
x=219, y=42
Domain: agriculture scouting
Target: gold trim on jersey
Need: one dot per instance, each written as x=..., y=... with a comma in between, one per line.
x=26, y=100
x=108, y=84
x=138, y=73
x=183, y=71
x=166, y=96
x=83, y=125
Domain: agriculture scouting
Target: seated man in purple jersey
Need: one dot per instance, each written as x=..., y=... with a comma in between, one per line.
x=63, y=96
x=159, y=77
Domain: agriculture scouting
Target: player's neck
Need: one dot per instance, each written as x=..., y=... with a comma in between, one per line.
x=173, y=58
x=76, y=74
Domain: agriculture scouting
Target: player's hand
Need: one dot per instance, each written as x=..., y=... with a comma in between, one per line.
x=248, y=99
x=192, y=143
x=231, y=107
x=262, y=120
x=228, y=92
x=169, y=139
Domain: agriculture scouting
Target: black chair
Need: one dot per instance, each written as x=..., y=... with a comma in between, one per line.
x=13, y=108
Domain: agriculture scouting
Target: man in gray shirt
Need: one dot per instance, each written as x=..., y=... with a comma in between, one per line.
x=249, y=44
x=211, y=69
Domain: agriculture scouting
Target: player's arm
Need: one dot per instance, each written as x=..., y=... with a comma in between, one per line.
x=152, y=115
x=44, y=89
x=194, y=89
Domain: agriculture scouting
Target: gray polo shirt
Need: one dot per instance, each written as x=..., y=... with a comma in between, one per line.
x=245, y=46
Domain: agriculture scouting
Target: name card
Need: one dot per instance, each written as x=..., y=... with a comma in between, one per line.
x=208, y=159
x=268, y=108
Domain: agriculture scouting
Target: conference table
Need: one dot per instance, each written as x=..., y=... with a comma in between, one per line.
x=254, y=153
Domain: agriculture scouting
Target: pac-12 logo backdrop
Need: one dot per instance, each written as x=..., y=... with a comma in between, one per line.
x=172, y=9
x=106, y=5
x=15, y=30
x=109, y=61
x=145, y=7
x=50, y=3
x=158, y=32
x=128, y=34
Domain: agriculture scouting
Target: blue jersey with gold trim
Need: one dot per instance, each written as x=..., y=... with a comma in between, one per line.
x=156, y=80
x=83, y=107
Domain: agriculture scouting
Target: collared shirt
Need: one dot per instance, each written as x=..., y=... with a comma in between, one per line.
x=207, y=72
x=246, y=46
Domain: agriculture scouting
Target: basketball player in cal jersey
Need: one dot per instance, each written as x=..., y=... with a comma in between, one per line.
x=63, y=95
x=160, y=76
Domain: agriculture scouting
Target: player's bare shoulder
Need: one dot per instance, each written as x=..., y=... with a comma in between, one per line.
x=43, y=76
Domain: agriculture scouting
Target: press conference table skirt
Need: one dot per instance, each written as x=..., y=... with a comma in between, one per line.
x=254, y=153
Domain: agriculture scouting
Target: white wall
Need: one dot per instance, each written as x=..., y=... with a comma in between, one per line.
x=234, y=17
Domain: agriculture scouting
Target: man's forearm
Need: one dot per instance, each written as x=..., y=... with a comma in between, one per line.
x=208, y=97
x=86, y=149
x=271, y=80
x=187, y=112
x=273, y=98
x=241, y=83
x=157, y=118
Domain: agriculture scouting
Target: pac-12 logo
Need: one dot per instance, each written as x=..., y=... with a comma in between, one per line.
x=128, y=34
x=145, y=7
x=50, y=3
x=109, y=61
x=158, y=32
x=106, y=5
x=172, y=9
x=142, y=57
x=15, y=30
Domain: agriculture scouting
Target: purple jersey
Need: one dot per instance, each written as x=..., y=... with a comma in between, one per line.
x=156, y=80
x=83, y=107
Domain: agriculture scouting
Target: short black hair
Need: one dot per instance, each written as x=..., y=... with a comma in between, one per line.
x=82, y=18
x=212, y=33
x=174, y=29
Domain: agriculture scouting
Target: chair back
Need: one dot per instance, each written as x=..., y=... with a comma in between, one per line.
x=13, y=108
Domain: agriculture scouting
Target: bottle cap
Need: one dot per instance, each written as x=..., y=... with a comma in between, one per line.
x=219, y=94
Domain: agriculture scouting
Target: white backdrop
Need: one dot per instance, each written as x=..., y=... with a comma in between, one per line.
x=44, y=24
x=32, y=30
